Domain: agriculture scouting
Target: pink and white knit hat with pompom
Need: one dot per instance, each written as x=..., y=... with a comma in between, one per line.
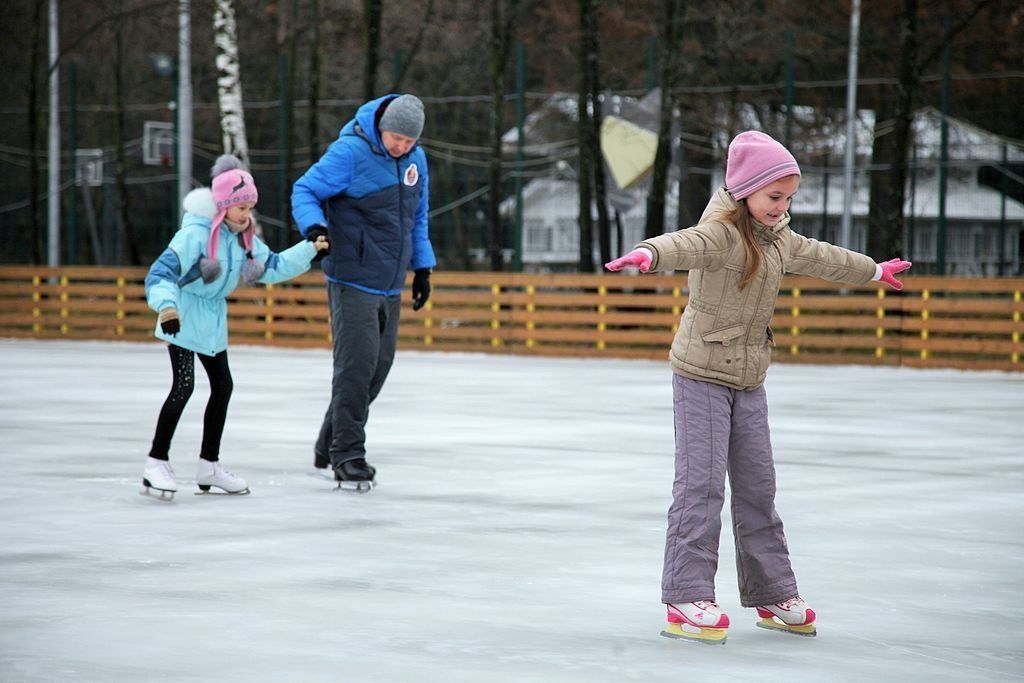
x=231, y=185
x=756, y=160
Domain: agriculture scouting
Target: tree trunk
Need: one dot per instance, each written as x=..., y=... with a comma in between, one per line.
x=501, y=39
x=591, y=74
x=125, y=228
x=890, y=148
x=668, y=72
x=584, y=131
x=372, y=13
x=229, y=82
x=428, y=14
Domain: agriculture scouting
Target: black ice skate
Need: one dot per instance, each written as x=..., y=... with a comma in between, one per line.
x=356, y=476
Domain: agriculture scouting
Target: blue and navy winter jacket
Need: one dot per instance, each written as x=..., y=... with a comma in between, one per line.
x=374, y=206
x=174, y=279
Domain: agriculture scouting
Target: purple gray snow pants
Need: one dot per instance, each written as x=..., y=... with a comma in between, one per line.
x=721, y=430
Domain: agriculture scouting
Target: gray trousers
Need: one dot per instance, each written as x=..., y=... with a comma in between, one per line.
x=721, y=430
x=365, y=330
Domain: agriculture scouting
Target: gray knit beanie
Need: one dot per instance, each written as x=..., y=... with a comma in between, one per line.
x=404, y=115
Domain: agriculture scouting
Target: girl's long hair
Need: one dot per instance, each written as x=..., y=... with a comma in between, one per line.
x=744, y=222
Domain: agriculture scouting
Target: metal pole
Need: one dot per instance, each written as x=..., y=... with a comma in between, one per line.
x=1002, y=213
x=913, y=204
x=72, y=246
x=520, y=120
x=652, y=63
x=789, y=87
x=940, y=239
x=53, y=151
x=184, y=101
x=285, y=127
x=851, y=116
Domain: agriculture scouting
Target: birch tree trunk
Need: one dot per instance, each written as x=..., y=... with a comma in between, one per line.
x=229, y=82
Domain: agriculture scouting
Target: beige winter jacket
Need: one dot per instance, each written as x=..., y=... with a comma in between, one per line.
x=723, y=334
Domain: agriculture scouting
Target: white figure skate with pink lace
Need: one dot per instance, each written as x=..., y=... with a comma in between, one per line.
x=702, y=621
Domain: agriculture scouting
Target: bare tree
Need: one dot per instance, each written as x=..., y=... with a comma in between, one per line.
x=372, y=13
x=229, y=81
x=502, y=14
x=670, y=35
x=892, y=134
x=584, y=131
x=124, y=221
x=591, y=75
x=417, y=42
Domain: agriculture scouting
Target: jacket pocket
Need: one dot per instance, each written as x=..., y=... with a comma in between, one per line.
x=725, y=351
x=725, y=335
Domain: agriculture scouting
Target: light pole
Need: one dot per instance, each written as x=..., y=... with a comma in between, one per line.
x=165, y=67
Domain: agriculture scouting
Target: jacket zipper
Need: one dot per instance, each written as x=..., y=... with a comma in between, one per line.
x=401, y=229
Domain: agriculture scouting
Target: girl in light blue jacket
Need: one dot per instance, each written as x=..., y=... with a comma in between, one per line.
x=215, y=251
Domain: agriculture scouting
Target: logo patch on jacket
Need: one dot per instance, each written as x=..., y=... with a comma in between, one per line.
x=412, y=175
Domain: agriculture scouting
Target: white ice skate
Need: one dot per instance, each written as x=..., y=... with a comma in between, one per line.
x=792, y=616
x=702, y=621
x=158, y=479
x=210, y=474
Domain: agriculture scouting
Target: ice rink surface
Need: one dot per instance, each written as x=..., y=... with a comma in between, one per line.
x=516, y=534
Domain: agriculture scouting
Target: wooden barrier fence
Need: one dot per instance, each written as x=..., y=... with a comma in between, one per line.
x=969, y=323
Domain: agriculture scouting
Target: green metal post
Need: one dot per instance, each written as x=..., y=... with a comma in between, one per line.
x=520, y=119
x=913, y=204
x=940, y=239
x=397, y=58
x=175, y=201
x=1002, y=213
x=71, y=258
x=789, y=87
x=282, y=178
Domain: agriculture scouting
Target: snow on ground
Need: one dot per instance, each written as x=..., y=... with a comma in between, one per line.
x=516, y=533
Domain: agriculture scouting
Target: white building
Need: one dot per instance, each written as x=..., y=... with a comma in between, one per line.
x=976, y=214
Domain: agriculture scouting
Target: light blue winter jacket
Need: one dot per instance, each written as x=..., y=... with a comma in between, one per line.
x=174, y=280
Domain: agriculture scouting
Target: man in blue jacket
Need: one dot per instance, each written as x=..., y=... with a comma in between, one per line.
x=369, y=195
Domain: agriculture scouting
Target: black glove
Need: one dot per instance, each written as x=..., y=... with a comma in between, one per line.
x=420, y=288
x=315, y=232
x=169, y=321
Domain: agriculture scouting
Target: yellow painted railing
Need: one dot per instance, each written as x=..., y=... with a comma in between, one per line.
x=972, y=323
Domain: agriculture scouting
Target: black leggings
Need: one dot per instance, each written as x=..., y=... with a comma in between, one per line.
x=183, y=368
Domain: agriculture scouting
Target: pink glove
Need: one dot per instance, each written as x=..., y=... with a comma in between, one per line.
x=638, y=258
x=891, y=268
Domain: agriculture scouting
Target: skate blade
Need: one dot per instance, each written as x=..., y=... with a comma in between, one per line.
x=708, y=636
x=208, y=491
x=807, y=630
x=157, y=494
x=355, y=486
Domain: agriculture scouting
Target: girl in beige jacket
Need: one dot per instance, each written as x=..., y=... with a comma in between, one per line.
x=736, y=256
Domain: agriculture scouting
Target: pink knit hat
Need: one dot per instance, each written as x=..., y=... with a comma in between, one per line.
x=755, y=161
x=231, y=185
